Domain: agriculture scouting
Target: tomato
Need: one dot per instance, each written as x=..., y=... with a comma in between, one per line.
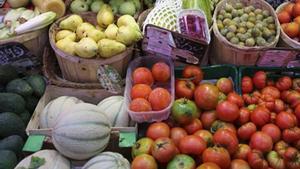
x=140, y=105
x=142, y=75
x=163, y=149
x=207, y=118
x=267, y=101
x=208, y=165
x=194, y=126
x=159, y=98
x=161, y=72
x=280, y=147
x=260, y=79
x=193, y=72
x=140, y=91
x=284, y=94
x=218, y=124
x=177, y=133
x=256, y=160
x=217, y=155
x=292, y=157
x=297, y=112
x=184, y=89
x=285, y=120
x=270, y=90
x=273, y=131
x=261, y=141
x=239, y=164
x=226, y=139
x=250, y=99
x=260, y=116
x=184, y=111
x=246, y=130
x=225, y=85
x=279, y=106
x=296, y=84
x=157, y=130
x=244, y=116
x=284, y=83
x=227, y=111
x=206, y=96
x=144, y=161
x=293, y=98
x=206, y=136
x=242, y=152
x=142, y=146
x=291, y=135
x=192, y=144
x=233, y=97
x=182, y=161
x=247, y=84
x=275, y=160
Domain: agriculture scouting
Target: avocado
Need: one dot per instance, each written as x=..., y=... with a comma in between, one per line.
x=31, y=102
x=7, y=73
x=37, y=83
x=11, y=124
x=12, y=102
x=19, y=86
x=13, y=143
x=8, y=159
x=25, y=116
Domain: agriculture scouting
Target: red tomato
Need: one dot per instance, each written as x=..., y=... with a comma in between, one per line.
x=184, y=89
x=293, y=98
x=279, y=106
x=297, y=112
x=284, y=94
x=227, y=111
x=225, y=85
x=270, y=90
x=194, y=126
x=193, y=72
x=140, y=91
x=250, y=99
x=157, y=130
x=142, y=75
x=247, y=84
x=208, y=165
x=218, y=124
x=207, y=118
x=291, y=135
x=217, y=155
x=284, y=83
x=285, y=120
x=161, y=72
x=164, y=149
x=260, y=79
x=233, y=97
x=239, y=164
x=261, y=141
x=159, y=98
x=260, y=116
x=144, y=161
x=273, y=131
x=280, y=147
x=244, y=116
x=226, y=139
x=267, y=101
x=140, y=105
x=177, y=133
x=206, y=136
x=256, y=160
x=211, y=93
x=296, y=84
x=292, y=156
x=246, y=130
x=192, y=144
x=242, y=152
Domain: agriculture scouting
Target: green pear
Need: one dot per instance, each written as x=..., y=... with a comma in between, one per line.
x=95, y=34
x=128, y=8
x=116, y=3
x=127, y=35
x=96, y=5
x=79, y=6
x=83, y=28
x=127, y=20
x=71, y=23
x=66, y=45
x=105, y=16
x=65, y=34
x=111, y=31
x=137, y=4
x=109, y=48
x=86, y=48
x=89, y=2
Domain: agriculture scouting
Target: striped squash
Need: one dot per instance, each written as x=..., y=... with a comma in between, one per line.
x=107, y=160
x=52, y=110
x=53, y=160
x=114, y=108
x=81, y=132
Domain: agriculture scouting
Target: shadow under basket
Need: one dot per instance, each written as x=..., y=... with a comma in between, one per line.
x=83, y=70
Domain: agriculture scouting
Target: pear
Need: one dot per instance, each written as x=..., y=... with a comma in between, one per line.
x=100, y=28
x=86, y=48
x=65, y=34
x=111, y=31
x=109, y=48
x=127, y=20
x=71, y=23
x=83, y=28
x=127, y=35
x=137, y=4
x=105, y=16
x=66, y=45
x=95, y=34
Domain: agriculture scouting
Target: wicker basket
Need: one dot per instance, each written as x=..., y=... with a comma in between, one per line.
x=285, y=40
x=228, y=53
x=83, y=70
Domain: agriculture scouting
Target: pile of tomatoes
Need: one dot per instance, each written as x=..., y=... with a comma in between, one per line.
x=217, y=128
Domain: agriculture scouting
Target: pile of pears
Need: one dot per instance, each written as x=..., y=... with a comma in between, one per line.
x=105, y=40
x=122, y=7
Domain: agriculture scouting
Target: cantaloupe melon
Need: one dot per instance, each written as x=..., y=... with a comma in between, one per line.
x=82, y=132
x=114, y=108
x=107, y=160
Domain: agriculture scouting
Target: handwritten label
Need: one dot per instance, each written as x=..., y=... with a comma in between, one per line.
x=110, y=79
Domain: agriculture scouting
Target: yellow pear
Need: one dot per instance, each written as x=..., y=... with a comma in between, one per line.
x=105, y=16
x=100, y=28
x=95, y=34
x=71, y=23
x=127, y=35
x=66, y=45
x=128, y=20
x=65, y=34
x=111, y=31
x=109, y=48
x=86, y=48
x=83, y=28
